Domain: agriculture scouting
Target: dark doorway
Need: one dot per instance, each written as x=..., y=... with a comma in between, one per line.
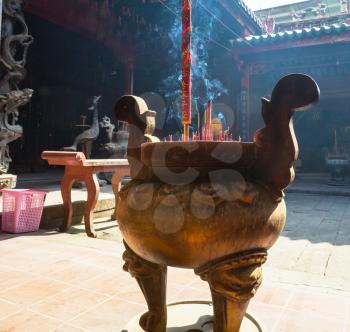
x=65, y=70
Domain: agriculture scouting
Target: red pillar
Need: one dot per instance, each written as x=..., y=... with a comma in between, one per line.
x=129, y=78
x=0, y=18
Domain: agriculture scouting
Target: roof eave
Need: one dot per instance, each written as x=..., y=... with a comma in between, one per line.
x=290, y=44
x=243, y=15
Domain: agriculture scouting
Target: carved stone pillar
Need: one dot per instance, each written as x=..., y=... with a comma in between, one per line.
x=15, y=41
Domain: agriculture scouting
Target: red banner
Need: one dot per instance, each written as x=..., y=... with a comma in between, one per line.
x=186, y=60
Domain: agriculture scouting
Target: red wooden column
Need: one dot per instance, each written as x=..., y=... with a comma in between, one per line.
x=0, y=18
x=129, y=78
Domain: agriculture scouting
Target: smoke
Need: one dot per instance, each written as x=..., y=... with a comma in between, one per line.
x=204, y=86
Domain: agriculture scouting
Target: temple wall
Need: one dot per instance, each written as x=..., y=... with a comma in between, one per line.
x=330, y=67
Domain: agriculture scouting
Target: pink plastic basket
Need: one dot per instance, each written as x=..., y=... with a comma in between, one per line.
x=22, y=210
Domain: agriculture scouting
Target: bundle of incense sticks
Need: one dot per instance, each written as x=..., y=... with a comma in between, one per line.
x=227, y=135
x=217, y=136
x=195, y=136
x=207, y=130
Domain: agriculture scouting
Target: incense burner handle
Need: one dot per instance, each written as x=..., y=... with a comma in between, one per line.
x=276, y=144
x=141, y=120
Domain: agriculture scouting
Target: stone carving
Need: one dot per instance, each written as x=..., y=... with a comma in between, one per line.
x=87, y=137
x=317, y=11
x=10, y=130
x=107, y=129
x=8, y=181
x=15, y=41
x=112, y=144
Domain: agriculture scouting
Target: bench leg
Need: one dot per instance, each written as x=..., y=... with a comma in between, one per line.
x=116, y=185
x=93, y=190
x=66, y=188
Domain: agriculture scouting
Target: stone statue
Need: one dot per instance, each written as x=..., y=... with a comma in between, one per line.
x=106, y=131
x=87, y=137
x=15, y=41
x=111, y=144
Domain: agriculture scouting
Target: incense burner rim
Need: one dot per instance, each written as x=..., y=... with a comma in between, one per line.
x=171, y=161
x=199, y=143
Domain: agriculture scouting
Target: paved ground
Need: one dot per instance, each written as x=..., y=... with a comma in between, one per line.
x=319, y=183
x=315, y=246
x=68, y=282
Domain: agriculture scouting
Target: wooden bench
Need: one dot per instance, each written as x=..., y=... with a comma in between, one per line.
x=78, y=168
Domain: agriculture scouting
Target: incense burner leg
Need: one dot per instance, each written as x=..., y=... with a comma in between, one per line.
x=152, y=281
x=93, y=190
x=233, y=282
x=66, y=188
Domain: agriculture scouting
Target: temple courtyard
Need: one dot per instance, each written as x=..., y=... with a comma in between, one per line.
x=68, y=282
x=203, y=105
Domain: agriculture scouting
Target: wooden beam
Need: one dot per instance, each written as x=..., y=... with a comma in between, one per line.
x=241, y=16
x=85, y=17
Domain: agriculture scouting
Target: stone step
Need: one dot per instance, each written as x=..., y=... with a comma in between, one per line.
x=53, y=216
x=53, y=213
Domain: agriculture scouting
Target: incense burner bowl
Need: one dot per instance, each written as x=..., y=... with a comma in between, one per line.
x=215, y=207
x=196, y=209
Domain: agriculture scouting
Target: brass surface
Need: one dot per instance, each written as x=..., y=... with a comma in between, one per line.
x=210, y=206
x=185, y=240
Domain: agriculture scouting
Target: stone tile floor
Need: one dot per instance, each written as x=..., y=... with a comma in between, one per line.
x=68, y=282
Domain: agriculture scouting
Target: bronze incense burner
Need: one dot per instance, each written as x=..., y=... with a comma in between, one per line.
x=215, y=207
